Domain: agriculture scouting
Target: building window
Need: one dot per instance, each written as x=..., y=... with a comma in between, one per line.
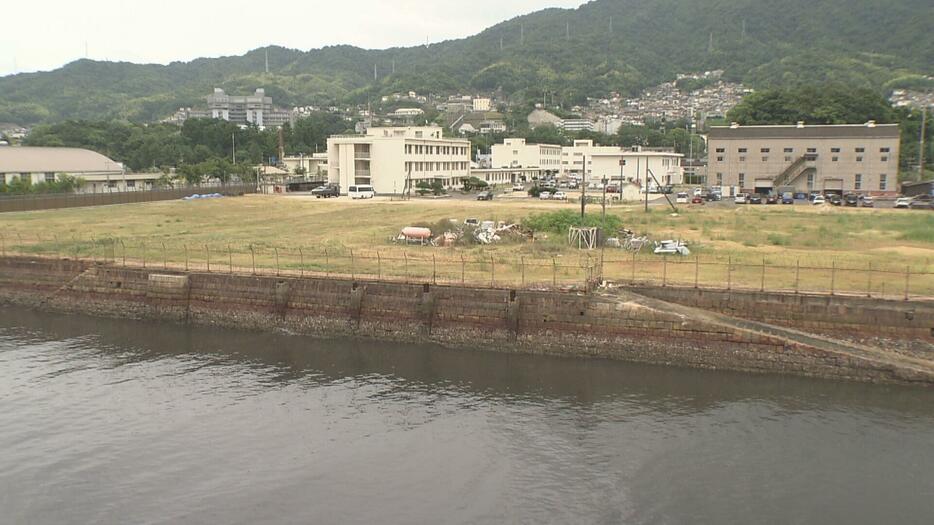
x=765, y=159
x=50, y=177
x=810, y=181
x=789, y=150
x=883, y=182
x=719, y=159
x=834, y=159
x=721, y=150
x=742, y=180
x=885, y=150
x=764, y=150
x=719, y=179
x=131, y=184
x=742, y=150
x=860, y=150
x=859, y=159
x=885, y=159
x=788, y=159
x=812, y=150
x=742, y=159
x=859, y=182
x=2, y=179
x=835, y=150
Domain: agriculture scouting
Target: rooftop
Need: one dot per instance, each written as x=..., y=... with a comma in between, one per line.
x=802, y=130
x=55, y=160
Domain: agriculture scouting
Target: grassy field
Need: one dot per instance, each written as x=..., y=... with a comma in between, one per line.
x=816, y=248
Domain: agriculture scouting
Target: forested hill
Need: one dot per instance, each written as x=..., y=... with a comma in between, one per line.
x=603, y=46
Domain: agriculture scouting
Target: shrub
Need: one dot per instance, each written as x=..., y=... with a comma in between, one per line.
x=560, y=221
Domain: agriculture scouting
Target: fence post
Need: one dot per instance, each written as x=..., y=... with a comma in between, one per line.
x=229, y=259
x=253, y=258
x=276, y=250
x=664, y=271
x=907, y=279
x=632, y=281
x=434, y=270
x=2, y=245
x=463, y=270
x=113, y=249
x=327, y=263
x=207, y=253
x=797, y=274
x=833, y=276
x=405, y=258
x=729, y=273
x=869, y=286
x=301, y=262
x=165, y=263
x=762, y=286
x=379, y=266
x=352, y=272
x=696, y=271
x=144, y=255
x=186, y=257
x=492, y=272
x=554, y=272
x=522, y=267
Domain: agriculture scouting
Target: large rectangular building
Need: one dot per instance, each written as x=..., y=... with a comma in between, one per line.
x=515, y=153
x=256, y=109
x=858, y=158
x=394, y=159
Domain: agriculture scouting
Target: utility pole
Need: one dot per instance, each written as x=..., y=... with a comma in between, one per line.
x=233, y=141
x=267, y=61
x=583, y=190
x=924, y=121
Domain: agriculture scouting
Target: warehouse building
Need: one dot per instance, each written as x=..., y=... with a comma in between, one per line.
x=40, y=164
x=858, y=158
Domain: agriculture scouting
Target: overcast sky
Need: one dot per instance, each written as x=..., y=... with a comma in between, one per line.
x=40, y=35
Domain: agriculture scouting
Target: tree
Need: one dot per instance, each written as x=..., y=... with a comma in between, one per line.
x=830, y=104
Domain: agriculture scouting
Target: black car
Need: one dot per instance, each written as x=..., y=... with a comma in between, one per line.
x=835, y=199
x=771, y=199
x=485, y=196
x=922, y=202
x=788, y=198
x=326, y=192
x=851, y=199
x=755, y=198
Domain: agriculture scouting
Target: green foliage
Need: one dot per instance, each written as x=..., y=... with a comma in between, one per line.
x=474, y=183
x=560, y=221
x=920, y=230
x=64, y=183
x=860, y=43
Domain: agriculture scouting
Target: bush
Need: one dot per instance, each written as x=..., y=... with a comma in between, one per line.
x=560, y=221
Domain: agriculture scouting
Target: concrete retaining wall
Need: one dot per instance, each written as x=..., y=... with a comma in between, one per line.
x=553, y=323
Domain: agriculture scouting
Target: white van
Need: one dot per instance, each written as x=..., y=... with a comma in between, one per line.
x=361, y=192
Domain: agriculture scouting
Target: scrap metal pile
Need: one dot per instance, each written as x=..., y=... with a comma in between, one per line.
x=471, y=231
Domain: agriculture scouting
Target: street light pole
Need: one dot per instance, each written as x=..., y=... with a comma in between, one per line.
x=583, y=190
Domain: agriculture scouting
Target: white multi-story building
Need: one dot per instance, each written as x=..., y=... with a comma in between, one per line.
x=636, y=166
x=572, y=157
x=256, y=109
x=395, y=159
x=313, y=166
x=576, y=124
x=515, y=153
x=482, y=104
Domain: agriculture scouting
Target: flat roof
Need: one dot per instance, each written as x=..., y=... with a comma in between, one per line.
x=25, y=159
x=877, y=131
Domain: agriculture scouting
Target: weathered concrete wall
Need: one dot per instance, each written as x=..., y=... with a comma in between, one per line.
x=819, y=313
x=553, y=323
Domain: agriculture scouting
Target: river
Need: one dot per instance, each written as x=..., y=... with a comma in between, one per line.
x=107, y=421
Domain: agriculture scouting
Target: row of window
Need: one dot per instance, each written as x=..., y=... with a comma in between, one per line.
x=884, y=158
x=422, y=149
x=857, y=182
x=809, y=150
x=434, y=166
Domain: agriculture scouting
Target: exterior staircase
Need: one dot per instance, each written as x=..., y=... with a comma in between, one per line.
x=799, y=167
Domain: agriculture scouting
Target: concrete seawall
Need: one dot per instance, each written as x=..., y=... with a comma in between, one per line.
x=620, y=325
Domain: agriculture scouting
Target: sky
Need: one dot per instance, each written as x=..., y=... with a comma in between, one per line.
x=40, y=35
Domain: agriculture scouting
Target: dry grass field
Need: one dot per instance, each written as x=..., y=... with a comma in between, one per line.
x=804, y=247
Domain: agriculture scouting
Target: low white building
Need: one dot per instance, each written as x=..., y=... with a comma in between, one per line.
x=516, y=153
x=636, y=166
x=314, y=165
x=42, y=164
x=395, y=159
x=572, y=157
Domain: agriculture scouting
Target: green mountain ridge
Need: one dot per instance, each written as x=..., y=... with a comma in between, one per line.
x=603, y=46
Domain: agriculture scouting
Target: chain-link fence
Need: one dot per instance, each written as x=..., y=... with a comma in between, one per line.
x=51, y=201
x=486, y=268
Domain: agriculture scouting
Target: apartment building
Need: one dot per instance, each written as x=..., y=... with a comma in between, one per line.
x=573, y=125
x=515, y=153
x=572, y=157
x=859, y=158
x=394, y=159
x=256, y=109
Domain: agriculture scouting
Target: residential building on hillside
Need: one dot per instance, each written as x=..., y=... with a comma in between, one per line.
x=393, y=160
x=860, y=158
x=576, y=124
x=40, y=164
x=515, y=153
x=482, y=104
x=256, y=109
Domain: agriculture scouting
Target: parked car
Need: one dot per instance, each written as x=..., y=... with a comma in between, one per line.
x=788, y=198
x=364, y=191
x=922, y=202
x=818, y=200
x=612, y=188
x=485, y=196
x=573, y=185
x=741, y=198
x=559, y=196
x=471, y=221
x=326, y=192
x=851, y=199
x=518, y=187
x=698, y=199
x=903, y=202
x=714, y=196
x=814, y=195
x=868, y=202
x=801, y=196
x=771, y=199
x=697, y=192
x=682, y=198
x=755, y=198
x=545, y=196
x=835, y=199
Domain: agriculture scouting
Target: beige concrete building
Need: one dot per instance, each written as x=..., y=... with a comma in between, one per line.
x=393, y=159
x=314, y=165
x=859, y=158
x=515, y=153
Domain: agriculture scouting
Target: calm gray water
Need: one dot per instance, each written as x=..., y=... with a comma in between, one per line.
x=124, y=422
